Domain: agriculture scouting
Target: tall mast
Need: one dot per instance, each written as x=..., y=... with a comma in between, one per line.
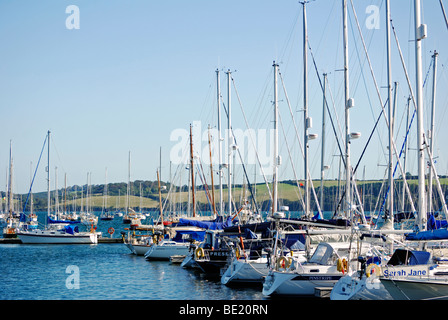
x=128, y=189
x=31, y=188
x=431, y=132
x=389, y=103
x=160, y=197
x=347, y=105
x=48, y=179
x=307, y=120
x=275, y=173
x=65, y=193
x=322, y=165
x=192, y=171
x=405, y=153
x=230, y=143
x=9, y=198
x=211, y=173
x=420, y=34
x=218, y=99
x=105, y=192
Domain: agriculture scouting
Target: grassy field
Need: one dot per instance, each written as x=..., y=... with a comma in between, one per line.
x=285, y=191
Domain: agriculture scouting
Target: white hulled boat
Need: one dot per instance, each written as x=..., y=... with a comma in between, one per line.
x=329, y=262
x=167, y=248
x=56, y=233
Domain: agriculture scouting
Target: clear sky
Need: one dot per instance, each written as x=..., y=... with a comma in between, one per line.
x=135, y=72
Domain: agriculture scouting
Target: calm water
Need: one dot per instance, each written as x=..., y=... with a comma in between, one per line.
x=106, y=271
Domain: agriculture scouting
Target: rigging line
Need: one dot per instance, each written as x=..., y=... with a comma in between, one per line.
x=443, y=11
x=311, y=187
x=239, y=152
x=364, y=80
x=360, y=158
x=250, y=136
x=35, y=172
x=395, y=169
x=292, y=164
x=301, y=148
x=380, y=99
x=326, y=103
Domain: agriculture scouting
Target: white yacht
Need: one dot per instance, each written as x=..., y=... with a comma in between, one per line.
x=329, y=262
x=56, y=233
x=167, y=248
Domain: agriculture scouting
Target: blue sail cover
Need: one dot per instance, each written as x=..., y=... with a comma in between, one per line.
x=409, y=257
x=209, y=225
x=436, y=224
x=71, y=229
x=438, y=234
x=186, y=235
x=22, y=217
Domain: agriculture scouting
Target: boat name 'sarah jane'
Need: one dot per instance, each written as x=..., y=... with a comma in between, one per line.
x=415, y=271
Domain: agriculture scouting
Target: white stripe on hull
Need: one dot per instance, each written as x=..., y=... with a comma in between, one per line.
x=30, y=238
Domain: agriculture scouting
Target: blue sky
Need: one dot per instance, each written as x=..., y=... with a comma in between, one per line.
x=137, y=70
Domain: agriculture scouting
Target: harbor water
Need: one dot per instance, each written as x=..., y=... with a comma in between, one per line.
x=105, y=271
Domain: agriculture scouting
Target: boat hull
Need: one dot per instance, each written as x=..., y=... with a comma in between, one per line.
x=245, y=272
x=293, y=284
x=139, y=250
x=43, y=237
x=164, y=252
x=404, y=289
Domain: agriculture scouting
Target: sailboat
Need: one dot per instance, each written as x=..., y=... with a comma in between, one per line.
x=12, y=222
x=416, y=274
x=172, y=241
x=56, y=233
x=106, y=215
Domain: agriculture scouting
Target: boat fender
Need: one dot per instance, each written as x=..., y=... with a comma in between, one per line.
x=199, y=253
x=283, y=263
x=342, y=265
x=376, y=270
x=237, y=253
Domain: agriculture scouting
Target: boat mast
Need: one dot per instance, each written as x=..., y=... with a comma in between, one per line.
x=211, y=173
x=160, y=198
x=192, y=171
x=128, y=189
x=31, y=189
x=9, y=199
x=230, y=143
x=322, y=165
x=431, y=132
x=218, y=99
x=276, y=160
x=307, y=120
x=420, y=34
x=389, y=103
x=48, y=179
x=347, y=105
x=405, y=155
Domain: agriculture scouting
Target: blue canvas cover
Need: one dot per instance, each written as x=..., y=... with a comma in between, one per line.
x=209, y=225
x=409, y=257
x=438, y=234
x=71, y=229
x=436, y=224
x=186, y=235
x=22, y=217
